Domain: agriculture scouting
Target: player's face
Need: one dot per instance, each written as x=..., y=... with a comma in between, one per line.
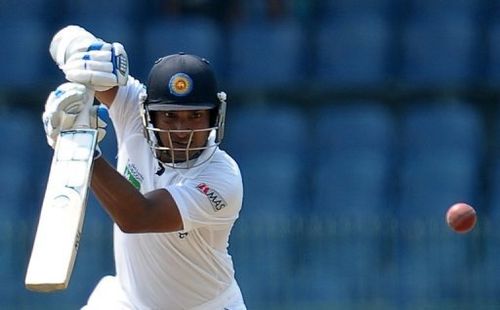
x=183, y=130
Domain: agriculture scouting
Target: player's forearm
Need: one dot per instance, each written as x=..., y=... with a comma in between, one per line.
x=107, y=97
x=132, y=211
x=122, y=201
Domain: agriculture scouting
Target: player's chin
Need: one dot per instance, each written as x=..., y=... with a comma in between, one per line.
x=178, y=156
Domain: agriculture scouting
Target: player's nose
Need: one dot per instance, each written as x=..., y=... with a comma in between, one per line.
x=180, y=133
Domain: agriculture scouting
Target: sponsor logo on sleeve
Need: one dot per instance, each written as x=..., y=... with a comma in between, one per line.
x=132, y=174
x=216, y=200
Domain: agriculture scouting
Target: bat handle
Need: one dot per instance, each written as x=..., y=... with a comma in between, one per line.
x=83, y=118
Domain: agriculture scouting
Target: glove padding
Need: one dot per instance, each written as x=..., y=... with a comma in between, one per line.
x=63, y=107
x=101, y=67
x=67, y=41
x=90, y=61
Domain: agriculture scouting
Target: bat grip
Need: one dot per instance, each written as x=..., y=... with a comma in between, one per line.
x=83, y=118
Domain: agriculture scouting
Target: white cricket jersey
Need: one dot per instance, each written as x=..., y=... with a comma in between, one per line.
x=178, y=270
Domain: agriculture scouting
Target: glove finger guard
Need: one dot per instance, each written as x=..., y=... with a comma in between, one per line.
x=61, y=109
x=76, y=50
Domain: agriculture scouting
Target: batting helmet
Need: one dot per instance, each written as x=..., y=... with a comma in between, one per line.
x=183, y=82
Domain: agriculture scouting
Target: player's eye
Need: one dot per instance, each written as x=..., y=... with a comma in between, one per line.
x=197, y=114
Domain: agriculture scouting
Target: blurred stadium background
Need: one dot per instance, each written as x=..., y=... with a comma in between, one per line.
x=356, y=124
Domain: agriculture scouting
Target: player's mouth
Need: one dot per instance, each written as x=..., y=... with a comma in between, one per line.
x=179, y=145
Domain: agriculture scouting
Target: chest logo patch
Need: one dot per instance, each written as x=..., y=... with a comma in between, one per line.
x=216, y=200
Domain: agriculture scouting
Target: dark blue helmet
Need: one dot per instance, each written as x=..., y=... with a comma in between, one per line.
x=182, y=82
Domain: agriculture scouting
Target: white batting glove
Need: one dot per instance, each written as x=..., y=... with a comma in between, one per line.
x=63, y=107
x=88, y=60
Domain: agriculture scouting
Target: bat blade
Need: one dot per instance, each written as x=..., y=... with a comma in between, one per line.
x=63, y=210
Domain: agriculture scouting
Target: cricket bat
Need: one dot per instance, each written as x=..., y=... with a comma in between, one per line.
x=63, y=209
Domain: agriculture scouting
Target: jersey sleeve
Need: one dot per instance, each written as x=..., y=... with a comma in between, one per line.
x=125, y=110
x=210, y=200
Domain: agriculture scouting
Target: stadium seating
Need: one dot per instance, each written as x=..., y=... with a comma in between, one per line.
x=334, y=267
x=425, y=271
x=274, y=197
x=256, y=11
x=493, y=63
x=22, y=59
x=354, y=51
x=351, y=178
x=118, y=29
x=439, y=51
x=442, y=150
x=450, y=126
x=356, y=126
x=351, y=199
x=199, y=36
x=117, y=9
x=469, y=8
x=488, y=219
x=354, y=146
x=265, y=55
x=268, y=143
x=18, y=199
x=40, y=10
x=272, y=184
x=336, y=8
x=354, y=187
x=429, y=185
x=20, y=160
x=344, y=200
x=265, y=129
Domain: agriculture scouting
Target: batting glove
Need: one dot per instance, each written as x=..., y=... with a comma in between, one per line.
x=63, y=107
x=90, y=61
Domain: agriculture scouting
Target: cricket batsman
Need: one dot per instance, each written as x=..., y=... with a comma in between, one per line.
x=175, y=195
